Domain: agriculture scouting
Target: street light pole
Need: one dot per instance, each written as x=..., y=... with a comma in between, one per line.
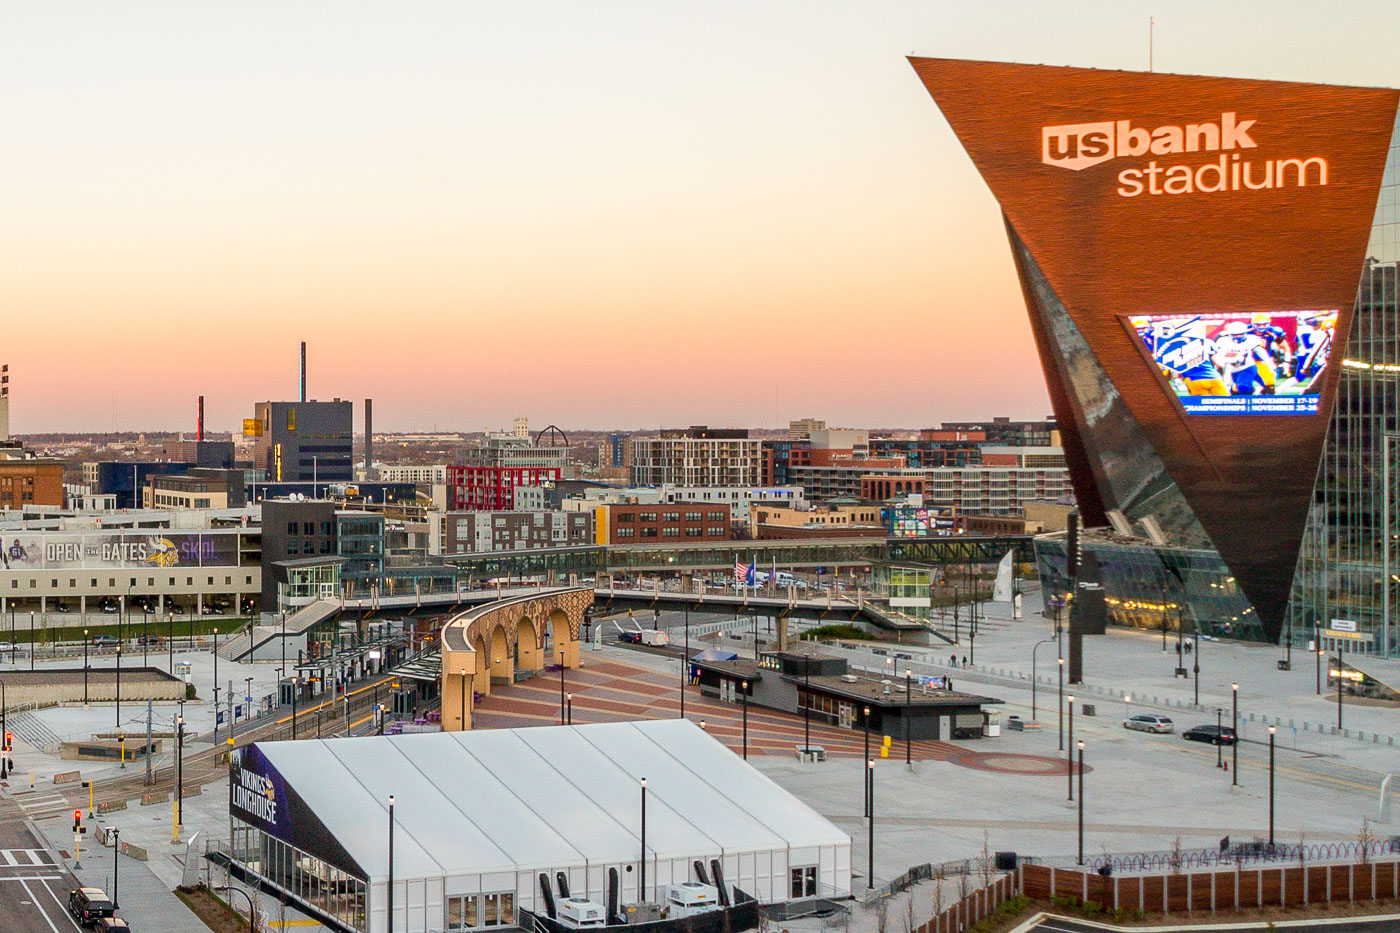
x=908, y=710
x=562, y=700
x=1081, y=802
x=1272, y=730
x=867, y=758
x=744, y=699
x=1071, y=747
x=1061, y=663
x=389, y=900
x=642, y=888
x=179, y=774
x=85, y=668
x=116, y=864
x=119, y=687
x=1235, y=734
x=870, y=861
x=685, y=659
x=1339, y=684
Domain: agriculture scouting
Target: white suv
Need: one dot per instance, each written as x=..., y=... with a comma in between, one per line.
x=1147, y=722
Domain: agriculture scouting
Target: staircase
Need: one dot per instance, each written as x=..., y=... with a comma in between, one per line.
x=241, y=646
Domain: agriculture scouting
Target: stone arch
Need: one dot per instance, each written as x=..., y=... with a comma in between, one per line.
x=482, y=681
x=563, y=638
x=529, y=646
x=502, y=664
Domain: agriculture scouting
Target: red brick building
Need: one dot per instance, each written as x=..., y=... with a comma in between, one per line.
x=669, y=522
x=30, y=482
x=492, y=489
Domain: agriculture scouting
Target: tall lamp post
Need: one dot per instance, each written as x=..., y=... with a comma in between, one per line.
x=867, y=758
x=1081, y=801
x=642, y=888
x=4, y=725
x=1339, y=683
x=685, y=659
x=1272, y=730
x=807, y=705
x=119, y=687
x=389, y=899
x=1071, y=747
x=179, y=774
x=870, y=860
x=908, y=709
x=744, y=700
x=85, y=668
x=1061, y=664
x=1318, y=652
x=1235, y=735
x=116, y=864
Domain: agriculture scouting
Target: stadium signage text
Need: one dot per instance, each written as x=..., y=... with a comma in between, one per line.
x=1077, y=146
x=253, y=794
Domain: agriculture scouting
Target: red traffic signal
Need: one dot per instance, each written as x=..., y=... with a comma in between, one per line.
x=9, y=740
x=77, y=820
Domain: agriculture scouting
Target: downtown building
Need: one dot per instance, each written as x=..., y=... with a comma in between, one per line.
x=1209, y=267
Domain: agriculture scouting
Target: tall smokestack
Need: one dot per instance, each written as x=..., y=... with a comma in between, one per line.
x=369, y=440
x=303, y=370
x=199, y=422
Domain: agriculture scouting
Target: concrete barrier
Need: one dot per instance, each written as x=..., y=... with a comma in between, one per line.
x=136, y=852
x=109, y=806
x=67, y=777
x=150, y=799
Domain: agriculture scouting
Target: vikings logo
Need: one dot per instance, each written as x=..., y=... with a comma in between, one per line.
x=164, y=553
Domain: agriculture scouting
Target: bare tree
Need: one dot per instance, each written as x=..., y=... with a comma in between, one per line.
x=1365, y=838
x=986, y=868
x=909, y=912
x=882, y=914
x=1176, y=856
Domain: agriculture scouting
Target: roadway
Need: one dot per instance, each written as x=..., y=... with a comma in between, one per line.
x=33, y=889
x=1381, y=924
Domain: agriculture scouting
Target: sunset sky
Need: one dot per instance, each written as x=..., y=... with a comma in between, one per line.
x=597, y=214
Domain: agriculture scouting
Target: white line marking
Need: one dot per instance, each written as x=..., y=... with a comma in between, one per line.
x=62, y=907
x=42, y=912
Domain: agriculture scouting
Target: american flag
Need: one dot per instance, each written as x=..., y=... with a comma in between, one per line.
x=743, y=573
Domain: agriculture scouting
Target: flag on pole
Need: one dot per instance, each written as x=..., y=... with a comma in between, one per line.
x=743, y=573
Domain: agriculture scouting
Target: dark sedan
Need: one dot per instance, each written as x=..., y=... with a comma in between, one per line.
x=1215, y=735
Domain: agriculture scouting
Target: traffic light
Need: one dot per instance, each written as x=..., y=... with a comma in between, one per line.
x=9, y=740
x=77, y=821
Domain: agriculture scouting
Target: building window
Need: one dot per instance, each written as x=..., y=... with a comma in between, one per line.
x=804, y=881
x=292, y=528
x=626, y=532
x=671, y=531
x=693, y=532
x=692, y=516
x=715, y=532
x=648, y=532
x=646, y=516
x=716, y=516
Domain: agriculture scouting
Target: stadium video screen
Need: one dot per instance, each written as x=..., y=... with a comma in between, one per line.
x=1241, y=363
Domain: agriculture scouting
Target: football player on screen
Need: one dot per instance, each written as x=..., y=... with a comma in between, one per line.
x=1244, y=360
x=1187, y=357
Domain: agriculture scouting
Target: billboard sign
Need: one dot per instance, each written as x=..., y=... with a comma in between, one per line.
x=1241, y=363
x=907, y=522
x=117, y=550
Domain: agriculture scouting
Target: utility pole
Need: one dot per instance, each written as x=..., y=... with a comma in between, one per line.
x=150, y=778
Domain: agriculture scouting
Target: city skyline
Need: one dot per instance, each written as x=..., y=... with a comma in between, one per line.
x=671, y=220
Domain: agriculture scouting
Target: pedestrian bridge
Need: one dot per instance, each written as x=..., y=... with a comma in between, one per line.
x=487, y=644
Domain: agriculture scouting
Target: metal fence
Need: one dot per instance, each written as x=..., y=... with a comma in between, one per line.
x=1255, y=853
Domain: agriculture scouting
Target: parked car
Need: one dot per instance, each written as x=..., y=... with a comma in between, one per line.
x=1149, y=722
x=108, y=606
x=209, y=610
x=107, y=924
x=105, y=641
x=148, y=641
x=6, y=647
x=89, y=906
x=61, y=606
x=174, y=608
x=1215, y=735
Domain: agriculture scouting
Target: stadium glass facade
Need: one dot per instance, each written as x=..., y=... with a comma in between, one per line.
x=1346, y=569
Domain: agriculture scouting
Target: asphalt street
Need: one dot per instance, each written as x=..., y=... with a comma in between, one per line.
x=33, y=890
x=1372, y=925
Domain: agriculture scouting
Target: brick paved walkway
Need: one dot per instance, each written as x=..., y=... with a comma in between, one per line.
x=610, y=691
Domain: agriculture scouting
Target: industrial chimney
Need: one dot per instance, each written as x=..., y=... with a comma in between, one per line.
x=199, y=421
x=370, y=473
x=303, y=370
